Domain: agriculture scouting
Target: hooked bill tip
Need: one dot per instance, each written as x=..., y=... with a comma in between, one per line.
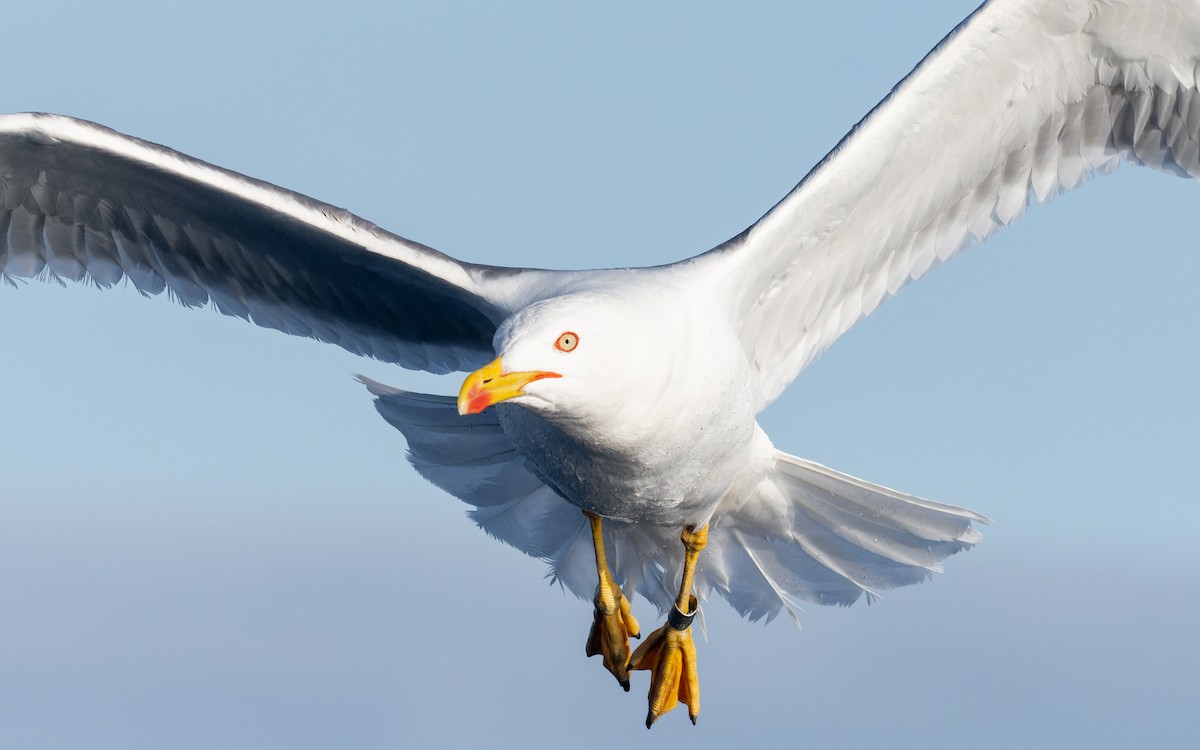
x=475, y=402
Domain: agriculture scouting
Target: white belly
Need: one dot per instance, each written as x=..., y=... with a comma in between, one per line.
x=672, y=474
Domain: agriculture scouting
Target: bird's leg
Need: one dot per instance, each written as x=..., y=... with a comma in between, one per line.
x=614, y=622
x=669, y=652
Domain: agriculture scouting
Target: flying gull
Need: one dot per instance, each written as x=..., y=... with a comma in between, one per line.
x=631, y=394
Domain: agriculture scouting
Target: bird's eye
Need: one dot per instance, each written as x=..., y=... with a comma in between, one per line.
x=567, y=342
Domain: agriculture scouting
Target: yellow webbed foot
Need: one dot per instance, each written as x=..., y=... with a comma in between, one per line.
x=612, y=628
x=670, y=655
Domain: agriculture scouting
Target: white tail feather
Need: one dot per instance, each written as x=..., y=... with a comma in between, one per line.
x=818, y=535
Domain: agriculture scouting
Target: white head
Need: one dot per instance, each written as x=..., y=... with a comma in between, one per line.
x=578, y=356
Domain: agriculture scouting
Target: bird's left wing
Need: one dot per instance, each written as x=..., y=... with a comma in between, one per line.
x=82, y=202
x=1024, y=99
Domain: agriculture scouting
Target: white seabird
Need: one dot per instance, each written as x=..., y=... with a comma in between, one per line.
x=1029, y=97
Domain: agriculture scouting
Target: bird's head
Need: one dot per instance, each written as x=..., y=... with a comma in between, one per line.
x=562, y=357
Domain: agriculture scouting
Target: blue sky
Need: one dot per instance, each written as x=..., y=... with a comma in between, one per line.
x=208, y=538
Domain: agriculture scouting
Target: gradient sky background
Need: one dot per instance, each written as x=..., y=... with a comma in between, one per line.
x=208, y=538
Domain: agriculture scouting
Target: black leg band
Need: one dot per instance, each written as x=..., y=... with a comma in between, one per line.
x=678, y=620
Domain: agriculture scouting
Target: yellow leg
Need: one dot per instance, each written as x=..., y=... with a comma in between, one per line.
x=669, y=652
x=614, y=622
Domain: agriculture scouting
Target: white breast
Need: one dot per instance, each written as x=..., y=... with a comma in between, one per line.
x=665, y=449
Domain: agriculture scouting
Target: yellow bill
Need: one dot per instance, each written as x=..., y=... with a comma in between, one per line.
x=490, y=385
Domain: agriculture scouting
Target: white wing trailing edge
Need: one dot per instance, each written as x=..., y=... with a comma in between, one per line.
x=1023, y=100
x=82, y=202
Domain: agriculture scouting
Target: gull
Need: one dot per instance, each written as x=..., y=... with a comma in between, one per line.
x=631, y=394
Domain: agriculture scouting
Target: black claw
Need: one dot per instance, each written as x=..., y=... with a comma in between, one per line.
x=693, y=718
x=625, y=684
x=650, y=718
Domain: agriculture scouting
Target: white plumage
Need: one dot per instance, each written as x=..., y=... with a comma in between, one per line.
x=1025, y=99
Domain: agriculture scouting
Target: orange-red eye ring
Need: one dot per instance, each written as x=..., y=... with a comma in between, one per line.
x=567, y=341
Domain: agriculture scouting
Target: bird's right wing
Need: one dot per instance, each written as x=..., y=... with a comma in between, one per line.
x=82, y=202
